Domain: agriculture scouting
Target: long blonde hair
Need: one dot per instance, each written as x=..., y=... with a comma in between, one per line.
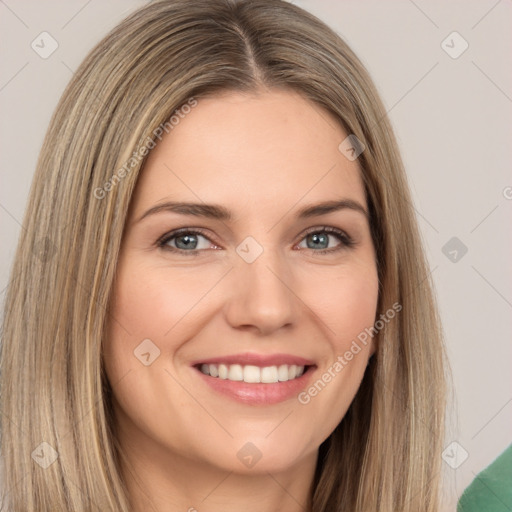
x=385, y=453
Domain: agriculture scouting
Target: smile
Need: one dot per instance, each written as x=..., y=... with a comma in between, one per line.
x=253, y=374
x=256, y=379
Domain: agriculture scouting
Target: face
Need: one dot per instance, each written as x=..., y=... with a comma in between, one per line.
x=256, y=286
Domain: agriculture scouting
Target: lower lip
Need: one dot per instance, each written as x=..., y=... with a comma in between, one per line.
x=258, y=394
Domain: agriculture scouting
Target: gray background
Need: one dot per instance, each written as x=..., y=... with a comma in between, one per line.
x=452, y=118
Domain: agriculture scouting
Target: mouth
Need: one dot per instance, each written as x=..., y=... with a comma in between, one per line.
x=256, y=379
x=252, y=374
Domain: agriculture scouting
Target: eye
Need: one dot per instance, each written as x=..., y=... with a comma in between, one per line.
x=319, y=238
x=184, y=240
x=187, y=240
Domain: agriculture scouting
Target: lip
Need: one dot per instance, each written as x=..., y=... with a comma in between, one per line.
x=257, y=393
x=255, y=359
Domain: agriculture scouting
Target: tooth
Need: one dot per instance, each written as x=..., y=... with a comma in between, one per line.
x=282, y=373
x=269, y=374
x=223, y=371
x=251, y=374
x=235, y=372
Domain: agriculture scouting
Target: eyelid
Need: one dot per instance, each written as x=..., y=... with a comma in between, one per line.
x=177, y=232
x=327, y=229
x=346, y=240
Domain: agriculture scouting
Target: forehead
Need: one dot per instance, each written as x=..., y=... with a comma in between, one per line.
x=266, y=151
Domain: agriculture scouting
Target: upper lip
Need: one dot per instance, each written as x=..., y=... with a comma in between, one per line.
x=251, y=358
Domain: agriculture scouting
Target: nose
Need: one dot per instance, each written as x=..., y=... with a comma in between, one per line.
x=261, y=296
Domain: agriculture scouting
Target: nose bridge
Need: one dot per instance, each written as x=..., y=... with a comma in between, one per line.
x=262, y=289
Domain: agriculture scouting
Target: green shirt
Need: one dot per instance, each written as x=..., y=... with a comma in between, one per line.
x=491, y=490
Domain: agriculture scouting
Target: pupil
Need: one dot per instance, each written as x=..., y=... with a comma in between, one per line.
x=320, y=238
x=188, y=240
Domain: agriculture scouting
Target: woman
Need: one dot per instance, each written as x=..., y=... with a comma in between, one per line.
x=174, y=336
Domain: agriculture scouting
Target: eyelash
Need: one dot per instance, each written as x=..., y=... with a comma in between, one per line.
x=346, y=241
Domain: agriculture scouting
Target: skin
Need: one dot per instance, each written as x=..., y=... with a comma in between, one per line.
x=263, y=156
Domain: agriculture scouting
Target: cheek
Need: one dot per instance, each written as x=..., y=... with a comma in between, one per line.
x=345, y=306
x=346, y=303
x=148, y=315
x=140, y=309
x=357, y=307
x=150, y=302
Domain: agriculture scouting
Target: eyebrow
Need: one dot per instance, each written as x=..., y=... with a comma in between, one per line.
x=218, y=212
